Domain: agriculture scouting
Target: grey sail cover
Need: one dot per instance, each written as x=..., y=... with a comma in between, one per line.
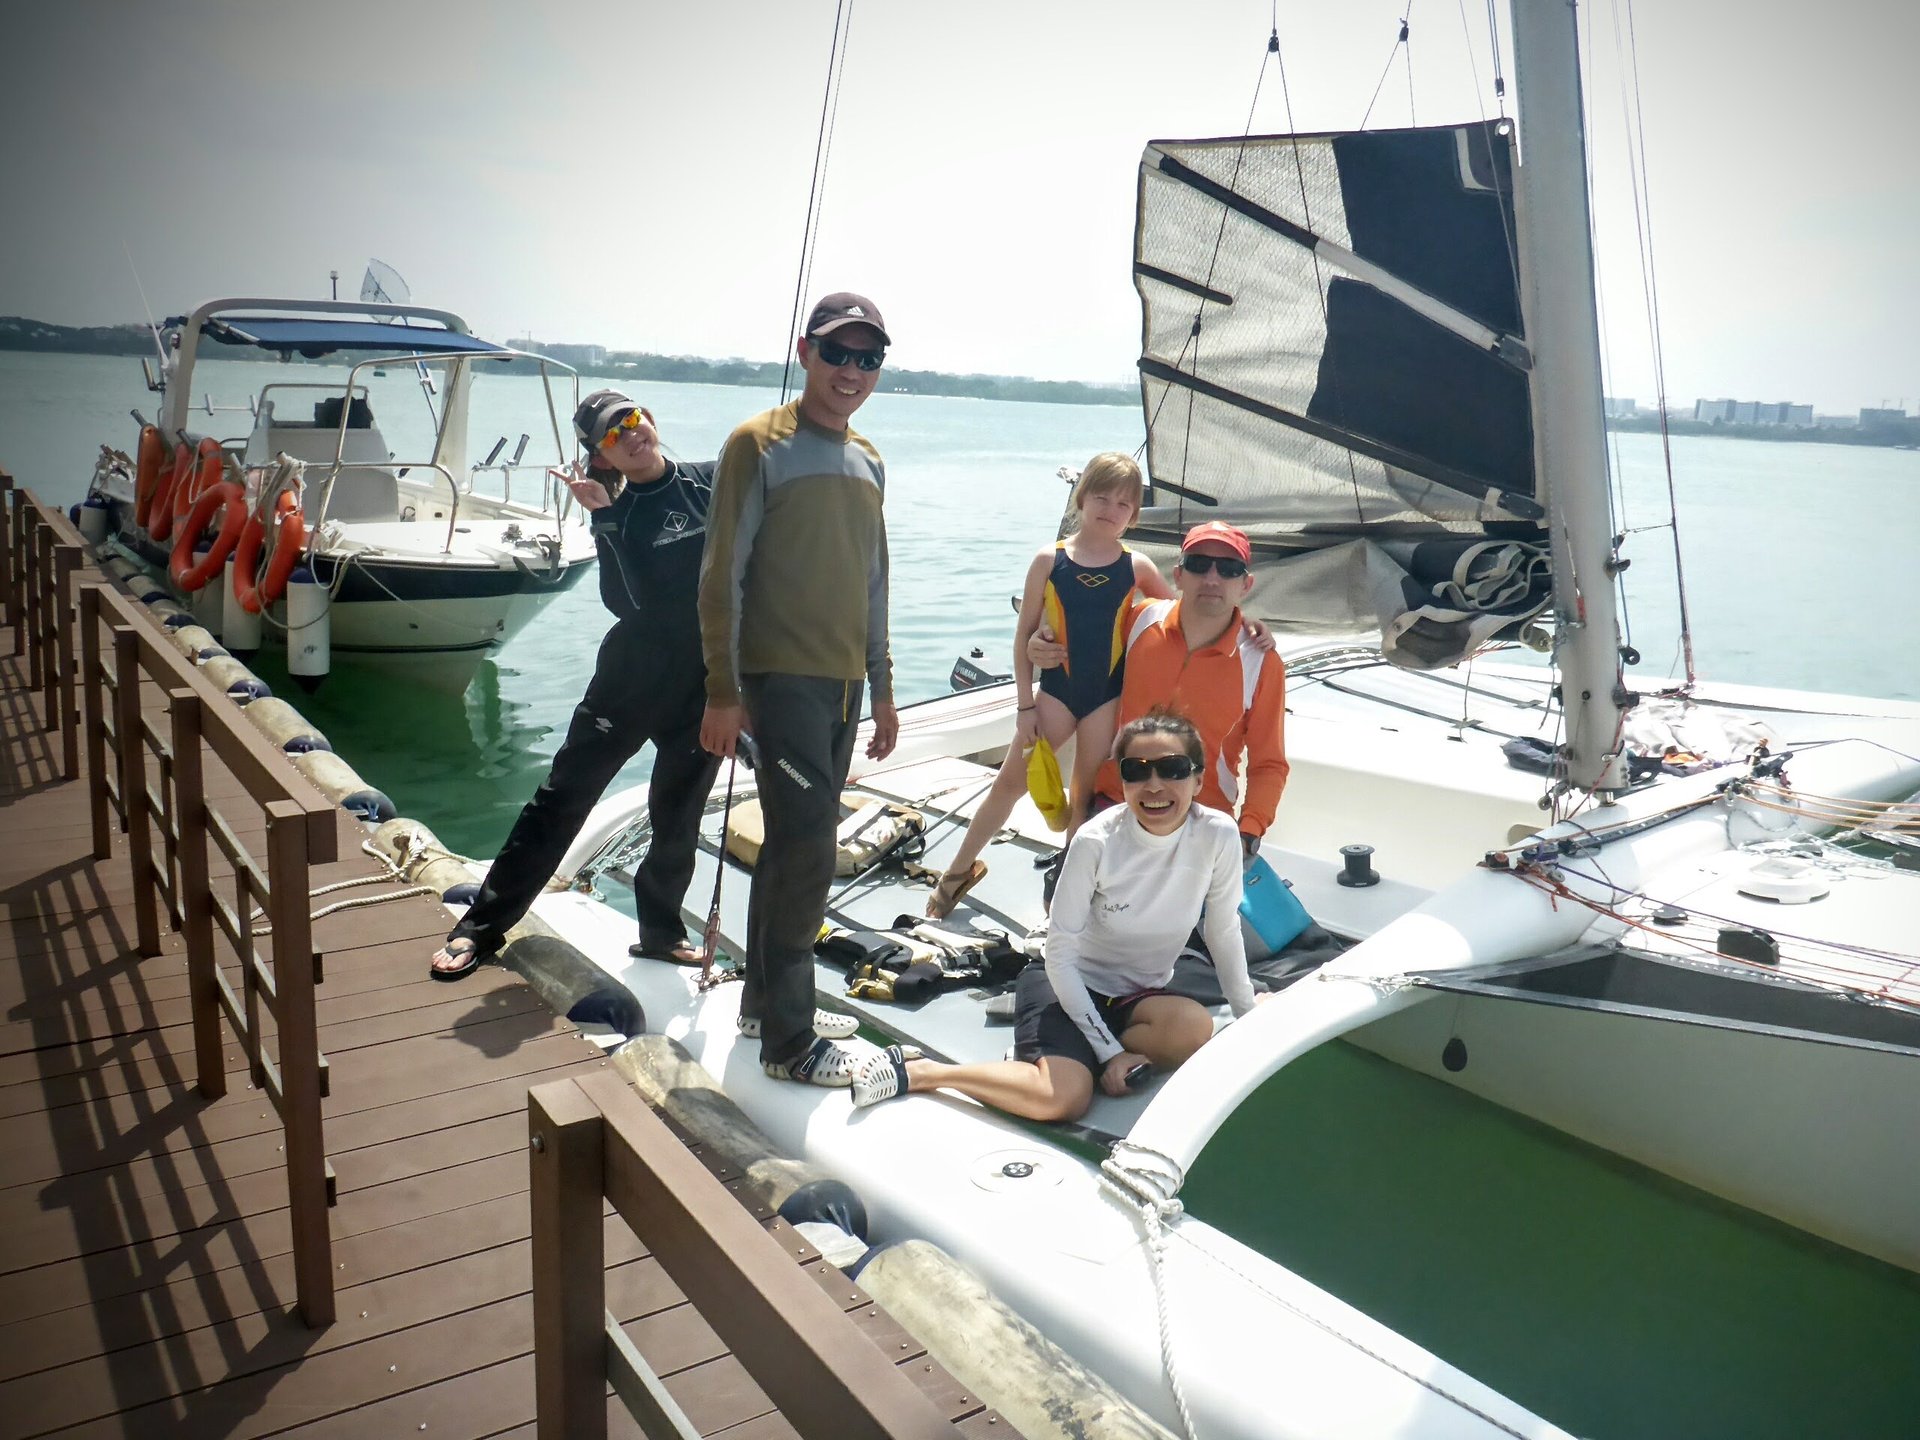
x=1333, y=359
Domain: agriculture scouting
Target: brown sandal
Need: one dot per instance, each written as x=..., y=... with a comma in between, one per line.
x=953, y=888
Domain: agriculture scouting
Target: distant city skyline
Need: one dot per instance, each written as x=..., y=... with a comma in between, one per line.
x=980, y=186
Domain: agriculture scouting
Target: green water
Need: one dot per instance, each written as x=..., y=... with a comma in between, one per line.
x=1612, y=1302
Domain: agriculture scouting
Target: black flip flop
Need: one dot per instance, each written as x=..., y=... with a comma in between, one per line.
x=640, y=950
x=471, y=959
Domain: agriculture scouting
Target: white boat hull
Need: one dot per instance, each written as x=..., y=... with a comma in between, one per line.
x=1261, y=1353
x=1817, y=1135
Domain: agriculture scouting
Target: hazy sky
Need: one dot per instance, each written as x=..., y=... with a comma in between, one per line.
x=636, y=174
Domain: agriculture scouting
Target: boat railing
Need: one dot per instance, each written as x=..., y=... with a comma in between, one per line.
x=452, y=358
x=593, y=1140
x=146, y=765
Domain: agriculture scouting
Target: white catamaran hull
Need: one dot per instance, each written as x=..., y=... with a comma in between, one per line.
x=1767, y=1117
x=1261, y=1353
x=1814, y=1134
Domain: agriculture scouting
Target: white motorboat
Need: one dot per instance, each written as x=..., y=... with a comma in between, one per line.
x=423, y=564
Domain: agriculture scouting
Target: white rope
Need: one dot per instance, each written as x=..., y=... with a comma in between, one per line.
x=1155, y=1208
x=363, y=901
x=396, y=870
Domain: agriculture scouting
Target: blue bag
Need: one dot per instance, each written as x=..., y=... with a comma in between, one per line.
x=1271, y=916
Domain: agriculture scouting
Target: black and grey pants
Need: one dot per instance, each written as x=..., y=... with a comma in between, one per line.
x=804, y=726
x=641, y=691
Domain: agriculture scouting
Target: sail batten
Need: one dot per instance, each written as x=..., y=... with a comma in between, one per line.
x=1337, y=255
x=1333, y=348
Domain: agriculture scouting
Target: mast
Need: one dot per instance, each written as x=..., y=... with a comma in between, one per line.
x=1556, y=248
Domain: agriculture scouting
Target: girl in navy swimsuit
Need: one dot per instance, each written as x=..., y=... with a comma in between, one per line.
x=1082, y=589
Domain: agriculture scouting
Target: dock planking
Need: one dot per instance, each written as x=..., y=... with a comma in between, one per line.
x=146, y=1274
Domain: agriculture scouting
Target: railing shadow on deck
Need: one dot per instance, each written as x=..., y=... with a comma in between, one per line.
x=593, y=1140
x=167, y=827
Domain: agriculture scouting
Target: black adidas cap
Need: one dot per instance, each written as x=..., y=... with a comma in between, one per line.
x=843, y=307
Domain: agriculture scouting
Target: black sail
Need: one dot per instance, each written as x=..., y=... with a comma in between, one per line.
x=1333, y=358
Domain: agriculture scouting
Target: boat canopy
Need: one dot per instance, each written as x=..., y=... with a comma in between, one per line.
x=1334, y=358
x=313, y=336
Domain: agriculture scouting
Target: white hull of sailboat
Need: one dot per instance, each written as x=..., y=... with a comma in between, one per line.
x=1749, y=1102
x=1812, y=1133
x=1261, y=1353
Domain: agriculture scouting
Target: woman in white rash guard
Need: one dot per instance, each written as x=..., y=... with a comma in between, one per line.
x=1136, y=879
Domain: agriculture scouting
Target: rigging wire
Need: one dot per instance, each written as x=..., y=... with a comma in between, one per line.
x=1319, y=277
x=1618, y=523
x=1643, y=218
x=1402, y=41
x=1499, y=75
x=1192, y=346
x=829, y=108
x=1406, y=40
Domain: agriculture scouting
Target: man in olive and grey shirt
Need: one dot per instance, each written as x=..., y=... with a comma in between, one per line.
x=793, y=620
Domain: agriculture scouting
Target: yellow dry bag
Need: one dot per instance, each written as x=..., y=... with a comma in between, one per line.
x=1044, y=785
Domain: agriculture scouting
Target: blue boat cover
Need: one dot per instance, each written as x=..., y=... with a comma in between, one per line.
x=314, y=336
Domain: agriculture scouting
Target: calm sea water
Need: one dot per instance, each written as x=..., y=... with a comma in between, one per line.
x=1613, y=1302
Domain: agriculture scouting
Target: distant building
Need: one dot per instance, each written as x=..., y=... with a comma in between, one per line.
x=1752, y=412
x=581, y=357
x=1882, y=417
x=1618, y=408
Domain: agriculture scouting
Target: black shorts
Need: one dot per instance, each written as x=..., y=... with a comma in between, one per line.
x=1042, y=1027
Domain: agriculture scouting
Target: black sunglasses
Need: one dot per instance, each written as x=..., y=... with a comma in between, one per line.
x=1226, y=567
x=1168, y=767
x=868, y=360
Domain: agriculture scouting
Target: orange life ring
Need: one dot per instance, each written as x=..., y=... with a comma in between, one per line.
x=287, y=548
x=153, y=452
x=252, y=590
x=206, y=474
x=190, y=574
x=159, y=516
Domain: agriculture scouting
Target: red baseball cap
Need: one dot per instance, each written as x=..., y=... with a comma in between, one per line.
x=1227, y=535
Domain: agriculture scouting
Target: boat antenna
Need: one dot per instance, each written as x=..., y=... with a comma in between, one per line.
x=384, y=285
x=822, y=150
x=159, y=347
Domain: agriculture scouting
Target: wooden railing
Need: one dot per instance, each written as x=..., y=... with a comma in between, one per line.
x=39, y=555
x=594, y=1140
x=149, y=773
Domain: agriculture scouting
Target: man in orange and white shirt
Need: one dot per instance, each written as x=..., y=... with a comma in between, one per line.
x=1197, y=656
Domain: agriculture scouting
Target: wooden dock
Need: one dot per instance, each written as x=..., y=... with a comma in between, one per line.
x=151, y=1234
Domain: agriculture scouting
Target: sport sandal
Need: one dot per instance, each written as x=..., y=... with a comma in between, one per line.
x=821, y=1063
x=952, y=889
x=829, y=1024
x=883, y=1076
